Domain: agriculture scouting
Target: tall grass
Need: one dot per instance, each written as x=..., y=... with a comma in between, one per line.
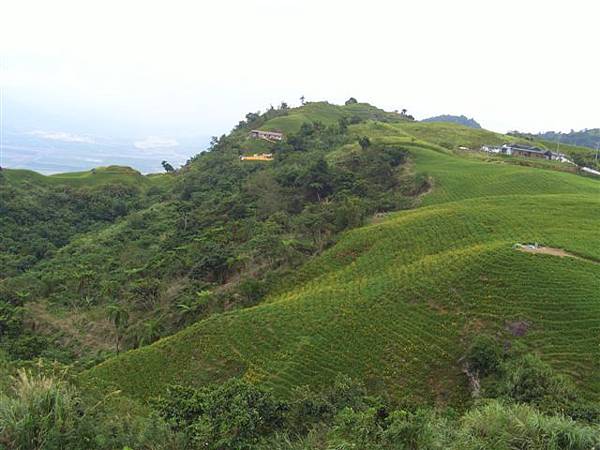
x=44, y=413
x=498, y=426
x=41, y=413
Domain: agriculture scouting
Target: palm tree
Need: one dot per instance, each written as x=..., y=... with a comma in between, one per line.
x=119, y=318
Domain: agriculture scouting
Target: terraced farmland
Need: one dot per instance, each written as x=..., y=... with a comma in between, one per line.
x=395, y=303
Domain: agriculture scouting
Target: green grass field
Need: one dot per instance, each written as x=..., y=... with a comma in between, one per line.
x=397, y=302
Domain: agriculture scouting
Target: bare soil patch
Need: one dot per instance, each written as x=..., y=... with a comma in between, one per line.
x=518, y=328
x=548, y=251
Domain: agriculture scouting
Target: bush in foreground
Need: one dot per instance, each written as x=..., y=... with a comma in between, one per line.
x=499, y=426
x=41, y=414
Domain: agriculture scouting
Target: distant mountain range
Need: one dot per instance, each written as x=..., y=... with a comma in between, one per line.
x=461, y=120
x=584, y=138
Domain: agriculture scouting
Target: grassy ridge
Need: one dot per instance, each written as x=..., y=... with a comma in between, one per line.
x=327, y=114
x=95, y=177
x=395, y=302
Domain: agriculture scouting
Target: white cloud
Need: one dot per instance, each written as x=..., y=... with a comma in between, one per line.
x=62, y=136
x=152, y=142
x=510, y=64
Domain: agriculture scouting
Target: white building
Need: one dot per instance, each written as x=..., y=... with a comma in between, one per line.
x=267, y=135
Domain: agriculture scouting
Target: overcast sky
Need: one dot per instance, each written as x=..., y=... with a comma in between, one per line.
x=171, y=68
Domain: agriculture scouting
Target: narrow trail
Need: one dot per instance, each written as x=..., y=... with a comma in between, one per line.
x=554, y=252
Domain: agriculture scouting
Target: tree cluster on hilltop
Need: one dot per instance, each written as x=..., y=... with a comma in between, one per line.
x=460, y=120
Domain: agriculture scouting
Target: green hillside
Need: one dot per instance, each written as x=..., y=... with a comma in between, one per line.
x=396, y=303
x=95, y=177
x=168, y=250
x=376, y=283
x=328, y=114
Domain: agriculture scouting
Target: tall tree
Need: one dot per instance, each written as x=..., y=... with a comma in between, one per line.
x=168, y=167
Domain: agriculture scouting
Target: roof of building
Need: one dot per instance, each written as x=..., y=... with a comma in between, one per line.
x=527, y=148
x=523, y=147
x=267, y=132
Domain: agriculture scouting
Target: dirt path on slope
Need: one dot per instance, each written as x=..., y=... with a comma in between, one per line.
x=554, y=252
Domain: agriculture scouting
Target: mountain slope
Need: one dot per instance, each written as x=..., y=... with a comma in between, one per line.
x=460, y=120
x=205, y=239
x=395, y=303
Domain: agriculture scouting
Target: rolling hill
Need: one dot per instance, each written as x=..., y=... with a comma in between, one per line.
x=396, y=302
x=89, y=178
x=460, y=120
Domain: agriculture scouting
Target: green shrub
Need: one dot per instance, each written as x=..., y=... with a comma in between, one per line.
x=530, y=380
x=484, y=356
x=308, y=409
x=376, y=428
x=233, y=415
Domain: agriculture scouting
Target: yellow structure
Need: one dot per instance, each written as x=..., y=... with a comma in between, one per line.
x=257, y=157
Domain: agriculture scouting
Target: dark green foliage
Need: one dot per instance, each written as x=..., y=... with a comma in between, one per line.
x=252, y=290
x=168, y=167
x=35, y=221
x=484, y=356
x=350, y=101
x=310, y=407
x=364, y=142
x=376, y=428
x=15, y=338
x=530, y=380
x=233, y=415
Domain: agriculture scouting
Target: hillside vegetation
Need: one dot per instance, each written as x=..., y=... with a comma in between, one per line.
x=393, y=303
x=375, y=283
x=583, y=138
x=114, y=260
x=396, y=303
x=460, y=120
